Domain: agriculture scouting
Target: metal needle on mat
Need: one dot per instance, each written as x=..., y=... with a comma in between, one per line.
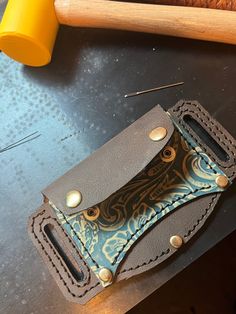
x=24, y=140
x=153, y=89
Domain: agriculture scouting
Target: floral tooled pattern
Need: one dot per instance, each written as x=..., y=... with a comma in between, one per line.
x=160, y=188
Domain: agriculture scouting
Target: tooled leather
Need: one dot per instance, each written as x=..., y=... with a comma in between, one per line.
x=141, y=226
x=216, y=130
x=135, y=262
x=92, y=176
x=138, y=260
x=104, y=233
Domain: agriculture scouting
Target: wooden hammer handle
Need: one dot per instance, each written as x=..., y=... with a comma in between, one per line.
x=195, y=23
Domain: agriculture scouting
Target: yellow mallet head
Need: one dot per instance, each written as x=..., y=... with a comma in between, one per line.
x=28, y=31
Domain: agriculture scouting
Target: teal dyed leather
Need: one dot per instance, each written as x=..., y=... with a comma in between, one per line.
x=143, y=202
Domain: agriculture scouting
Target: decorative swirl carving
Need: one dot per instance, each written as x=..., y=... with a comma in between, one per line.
x=157, y=190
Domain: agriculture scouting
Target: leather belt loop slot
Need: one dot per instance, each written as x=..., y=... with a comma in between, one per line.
x=70, y=261
x=206, y=137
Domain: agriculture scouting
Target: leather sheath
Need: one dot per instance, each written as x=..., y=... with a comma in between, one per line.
x=121, y=177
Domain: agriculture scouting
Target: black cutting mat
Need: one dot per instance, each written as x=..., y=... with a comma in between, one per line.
x=76, y=104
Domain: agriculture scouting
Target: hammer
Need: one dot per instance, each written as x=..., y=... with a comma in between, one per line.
x=29, y=27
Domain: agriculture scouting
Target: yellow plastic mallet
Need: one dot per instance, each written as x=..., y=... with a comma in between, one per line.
x=29, y=27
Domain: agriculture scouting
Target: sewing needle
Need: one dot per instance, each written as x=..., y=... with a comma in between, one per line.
x=24, y=140
x=153, y=89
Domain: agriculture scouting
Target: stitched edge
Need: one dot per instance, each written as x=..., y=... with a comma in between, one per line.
x=207, y=163
x=191, y=145
x=128, y=240
x=201, y=218
x=183, y=125
x=190, y=231
x=76, y=235
x=58, y=257
x=213, y=124
x=51, y=261
x=213, y=198
x=220, y=140
x=167, y=252
x=152, y=217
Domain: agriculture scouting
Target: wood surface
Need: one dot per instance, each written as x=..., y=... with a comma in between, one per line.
x=211, y=4
x=195, y=23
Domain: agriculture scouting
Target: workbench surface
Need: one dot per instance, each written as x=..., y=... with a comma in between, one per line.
x=76, y=104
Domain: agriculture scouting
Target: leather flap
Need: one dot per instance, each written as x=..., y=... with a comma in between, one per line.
x=113, y=165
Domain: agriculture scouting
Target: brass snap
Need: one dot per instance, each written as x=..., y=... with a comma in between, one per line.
x=105, y=275
x=176, y=241
x=168, y=154
x=73, y=199
x=222, y=181
x=92, y=213
x=158, y=134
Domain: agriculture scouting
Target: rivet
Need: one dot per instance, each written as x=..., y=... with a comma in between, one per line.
x=73, y=199
x=158, y=134
x=92, y=214
x=168, y=154
x=176, y=241
x=105, y=275
x=222, y=181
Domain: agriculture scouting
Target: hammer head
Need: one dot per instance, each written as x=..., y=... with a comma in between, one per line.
x=28, y=31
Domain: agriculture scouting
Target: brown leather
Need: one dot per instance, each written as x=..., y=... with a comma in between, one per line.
x=92, y=177
x=154, y=247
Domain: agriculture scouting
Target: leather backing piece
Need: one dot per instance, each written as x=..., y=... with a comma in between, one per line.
x=154, y=246
x=92, y=177
x=150, y=251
